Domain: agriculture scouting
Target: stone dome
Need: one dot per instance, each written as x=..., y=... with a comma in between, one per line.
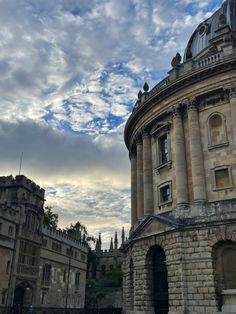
x=208, y=31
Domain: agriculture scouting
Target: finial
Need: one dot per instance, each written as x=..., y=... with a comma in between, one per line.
x=140, y=94
x=176, y=60
x=146, y=87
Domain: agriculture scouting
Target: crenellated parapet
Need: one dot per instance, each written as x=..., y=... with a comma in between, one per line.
x=61, y=236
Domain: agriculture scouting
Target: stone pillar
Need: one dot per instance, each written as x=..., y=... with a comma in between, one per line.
x=196, y=154
x=232, y=99
x=147, y=175
x=140, y=211
x=133, y=161
x=180, y=158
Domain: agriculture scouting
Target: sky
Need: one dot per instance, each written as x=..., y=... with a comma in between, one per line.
x=70, y=71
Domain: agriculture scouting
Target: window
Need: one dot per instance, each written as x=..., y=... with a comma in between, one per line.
x=43, y=298
x=77, y=276
x=28, y=253
x=56, y=247
x=64, y=276
x=163, y=149
x=46, y=276
x=165, y=194
x=217, y=132
x=222, y=178
x=111, y=267
x=8, y=267
x=83, y=258
x=103, y=268
x=44, y=243
x=10, y=231
x=4, y=294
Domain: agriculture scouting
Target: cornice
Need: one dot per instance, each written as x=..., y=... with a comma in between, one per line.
x=171, y=88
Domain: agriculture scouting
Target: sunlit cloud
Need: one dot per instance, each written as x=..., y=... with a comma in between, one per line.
x=70, y=74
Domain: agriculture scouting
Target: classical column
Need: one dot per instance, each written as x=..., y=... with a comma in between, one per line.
x=147, y=175
x=133, y=161
x=196, y=154
x=232, y=99
x=180, y=158
x=140, y=178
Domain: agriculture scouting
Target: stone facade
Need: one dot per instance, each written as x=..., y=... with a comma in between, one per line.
x=39, y=265
x=181, y=254
x=104, y=287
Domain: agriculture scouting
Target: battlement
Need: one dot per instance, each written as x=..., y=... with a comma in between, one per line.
x=21, y=181
x=61, y=236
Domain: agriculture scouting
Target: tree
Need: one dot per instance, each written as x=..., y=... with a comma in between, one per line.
x=50, y=218
x=80, y=232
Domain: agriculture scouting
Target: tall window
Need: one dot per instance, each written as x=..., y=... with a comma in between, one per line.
x=10, y=231
x=165, y=193
x=163, y=149
x=46, y=277
x=77, y=277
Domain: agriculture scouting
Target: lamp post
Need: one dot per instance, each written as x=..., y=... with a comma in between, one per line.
x=68, y=276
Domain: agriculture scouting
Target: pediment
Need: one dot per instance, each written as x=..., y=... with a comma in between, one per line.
x=153, y=225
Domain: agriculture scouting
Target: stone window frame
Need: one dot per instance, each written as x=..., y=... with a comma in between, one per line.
x=162, y=185
x=160, y=131
x=77, y=279
x=231, y=185
x=226, y=142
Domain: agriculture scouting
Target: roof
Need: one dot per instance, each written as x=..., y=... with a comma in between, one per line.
x=207, y=31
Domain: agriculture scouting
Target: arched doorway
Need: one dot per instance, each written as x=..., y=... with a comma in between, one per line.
x=18, y=301
x=23, y=296
x=160, y=281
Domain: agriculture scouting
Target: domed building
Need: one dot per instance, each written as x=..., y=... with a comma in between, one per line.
x=181, y=137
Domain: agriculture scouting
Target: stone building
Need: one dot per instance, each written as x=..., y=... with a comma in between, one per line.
x=104, y=286
x=181, y=137
x=39, y=265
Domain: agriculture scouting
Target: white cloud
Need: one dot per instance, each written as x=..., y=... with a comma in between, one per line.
x=73, y=67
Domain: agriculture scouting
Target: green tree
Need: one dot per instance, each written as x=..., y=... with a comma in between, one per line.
x=80, y=232
x=50, y=218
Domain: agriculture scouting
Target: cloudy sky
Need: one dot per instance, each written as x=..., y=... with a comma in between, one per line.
x=70, y=71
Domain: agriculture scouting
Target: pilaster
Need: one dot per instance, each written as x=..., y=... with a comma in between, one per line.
x=140, y=210
x=196, y=153
x=134, y=214
x=180, y=158
x=147, y=174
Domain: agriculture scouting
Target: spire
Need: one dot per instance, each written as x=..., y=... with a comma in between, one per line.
x=123, y=236
x=111, y=245
x=99, y=238
x=116, y=241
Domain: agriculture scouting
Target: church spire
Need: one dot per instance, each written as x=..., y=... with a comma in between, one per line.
x=111, y=245
x=123, y=236
x=116, y=241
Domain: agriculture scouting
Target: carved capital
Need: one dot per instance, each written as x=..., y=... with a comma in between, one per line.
x=138, y=139
x=176, y=111
x=145, y=132
x=231, y=90
x=192, y=105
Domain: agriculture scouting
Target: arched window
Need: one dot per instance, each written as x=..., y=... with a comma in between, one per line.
x=224, y=256
x=103, y=270
x=217, y=133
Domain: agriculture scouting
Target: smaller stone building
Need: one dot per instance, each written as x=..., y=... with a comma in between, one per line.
x=39, y=265
x=104, y=285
